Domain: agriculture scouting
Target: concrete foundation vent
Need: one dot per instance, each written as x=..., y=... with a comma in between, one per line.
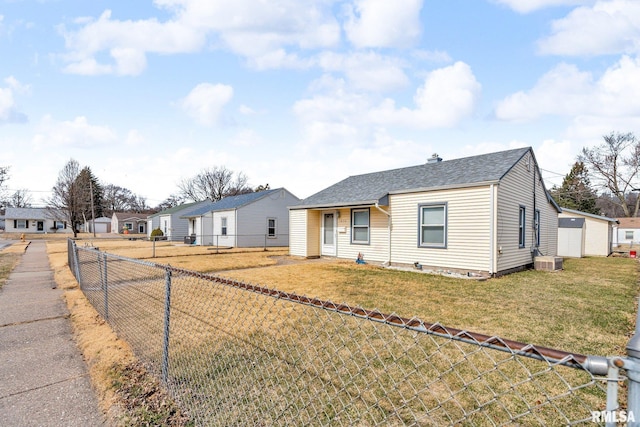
x=547, y=263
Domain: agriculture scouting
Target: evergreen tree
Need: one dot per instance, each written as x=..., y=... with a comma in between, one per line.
x=576, y=192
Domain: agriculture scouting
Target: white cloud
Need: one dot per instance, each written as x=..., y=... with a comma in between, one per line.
x=526, y=6
x=447, y=96
x=367, y=70
x=9, y=112
x=205, y=102
x=258, y=31
x=567, y=91
x=78, y=133
x=608, y=27
x=383, y=23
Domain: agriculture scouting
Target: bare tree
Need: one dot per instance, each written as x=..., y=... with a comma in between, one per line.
x=615, y=165
x=214, y=184
x=20, y=199
x=4, y=177
x=66, y=197
x=120, y=199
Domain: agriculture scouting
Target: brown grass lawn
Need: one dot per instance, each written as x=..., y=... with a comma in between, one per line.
x=588, y=308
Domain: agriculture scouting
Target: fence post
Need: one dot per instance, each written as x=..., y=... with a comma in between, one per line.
x=633, y=374
x=167, y=316
x=105, y=284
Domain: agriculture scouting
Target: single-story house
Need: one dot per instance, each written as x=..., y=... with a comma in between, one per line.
x=584, y=234
x=489, y=214
x=247, y=220
x=101, y=225
x=131, y=222
x=35, y=220
x=170, y=222
x=627, y=232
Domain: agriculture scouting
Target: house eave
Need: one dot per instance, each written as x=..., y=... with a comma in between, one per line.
x=445, y=187
x=336, y=205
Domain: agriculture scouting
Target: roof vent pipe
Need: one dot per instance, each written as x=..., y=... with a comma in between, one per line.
x=434, y=158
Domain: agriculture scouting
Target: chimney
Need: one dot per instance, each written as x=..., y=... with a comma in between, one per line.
x=434, y=158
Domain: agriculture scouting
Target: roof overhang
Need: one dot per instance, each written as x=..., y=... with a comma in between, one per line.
x=383, y=201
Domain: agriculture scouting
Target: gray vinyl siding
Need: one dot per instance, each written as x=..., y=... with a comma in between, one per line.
x=468, y=229
x=252, y=220
x=519, y=188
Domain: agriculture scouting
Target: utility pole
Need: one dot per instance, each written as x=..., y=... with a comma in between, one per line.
x=93, y=214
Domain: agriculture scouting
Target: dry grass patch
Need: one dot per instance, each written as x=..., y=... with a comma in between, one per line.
x=127, y=393
x=587, y=308
x=9, y=257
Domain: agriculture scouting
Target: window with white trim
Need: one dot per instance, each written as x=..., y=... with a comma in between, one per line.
x=223, y=226
x=360, y=226
x=521, y=227
x=433, y=225
x=20, y=223
x=271, y=227
x=628, y=235
x=536, y=224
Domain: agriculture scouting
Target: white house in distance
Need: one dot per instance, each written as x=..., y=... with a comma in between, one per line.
x=627, y=232
x=170, y=221
x=247, y=220
x=489, y=214
x=584, y=234
x=35, y=220
x=131, y=222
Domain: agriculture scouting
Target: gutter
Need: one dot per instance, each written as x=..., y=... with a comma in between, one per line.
x=377, y=206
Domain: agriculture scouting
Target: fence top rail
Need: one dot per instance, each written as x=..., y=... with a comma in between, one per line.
x=595, y=364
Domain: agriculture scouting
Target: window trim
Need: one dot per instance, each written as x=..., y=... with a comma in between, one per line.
x=354, y=226
x=445, y=225
x=223, y=226
x=537, y=219
x=626, y=235
x=273, y=235
x=522, y=221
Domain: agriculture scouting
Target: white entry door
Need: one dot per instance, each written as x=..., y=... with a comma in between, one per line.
x=329, y=233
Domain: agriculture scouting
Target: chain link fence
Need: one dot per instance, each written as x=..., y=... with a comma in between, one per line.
x=232, y=353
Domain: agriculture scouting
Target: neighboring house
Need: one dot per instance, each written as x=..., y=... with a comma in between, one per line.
x=489, y=214
x=584, y=234
x=627, y=232
x=101, y=225
x=170, y=222
x=131, y=222
x=35, y=220
x=247, y=220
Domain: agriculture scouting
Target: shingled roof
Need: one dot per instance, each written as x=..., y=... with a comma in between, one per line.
x=371, y=188
x=229, y=202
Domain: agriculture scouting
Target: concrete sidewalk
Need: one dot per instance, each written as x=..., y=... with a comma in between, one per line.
x=43, y=378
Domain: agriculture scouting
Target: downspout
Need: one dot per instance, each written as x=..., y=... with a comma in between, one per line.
x=377, y=206
x=492, y=231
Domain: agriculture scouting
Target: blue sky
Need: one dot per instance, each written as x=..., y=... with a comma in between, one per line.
x=300, y=93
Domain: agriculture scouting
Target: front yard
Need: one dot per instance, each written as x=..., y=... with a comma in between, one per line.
x=588, y=308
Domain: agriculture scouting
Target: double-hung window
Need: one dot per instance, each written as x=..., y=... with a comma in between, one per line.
x=433, y=225
x=537, y=227
x=271, y=227
x=360, y=226
x=223, y=226
x=521, y=227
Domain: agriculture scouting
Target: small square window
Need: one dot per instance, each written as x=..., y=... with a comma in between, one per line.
x=433, y=225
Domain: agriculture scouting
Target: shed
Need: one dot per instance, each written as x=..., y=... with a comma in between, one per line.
x=571, y=234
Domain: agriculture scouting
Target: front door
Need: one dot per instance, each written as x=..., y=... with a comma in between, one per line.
x=329, y=233
x=40, y=226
